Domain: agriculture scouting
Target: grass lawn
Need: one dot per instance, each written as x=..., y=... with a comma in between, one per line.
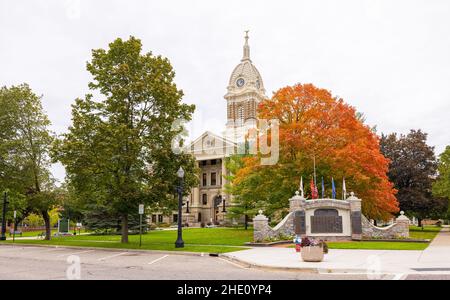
x=378, y=245
x=429, y=232
x=218, y=240
x=209, y=240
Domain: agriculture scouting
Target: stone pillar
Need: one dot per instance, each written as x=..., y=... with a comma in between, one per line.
x=261, y=228
x=296, y=202
x=402, y=228
x=195, y=197
x=355, y=216
x=223, y=173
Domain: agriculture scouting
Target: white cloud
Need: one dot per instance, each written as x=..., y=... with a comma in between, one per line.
x=388, y=58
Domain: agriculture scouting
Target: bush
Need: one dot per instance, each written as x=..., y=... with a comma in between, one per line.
x=202, y=225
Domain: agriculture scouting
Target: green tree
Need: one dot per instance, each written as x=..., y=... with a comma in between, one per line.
x=412, y=169
x=117, y=152
x=244, y=204
x=24, y=151
x=441, y=187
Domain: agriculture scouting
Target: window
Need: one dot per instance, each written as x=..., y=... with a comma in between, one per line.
x=205, y=199
x=175, y=218
x=153, y=218
x=204, y=183
x=160, y=218
x=213, y=162
x=240, y=113
x=213, y=178
x=203, y=163
x=199, y=217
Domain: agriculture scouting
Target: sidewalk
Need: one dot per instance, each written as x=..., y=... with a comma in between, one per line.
x=436, y=258
x=35, y=237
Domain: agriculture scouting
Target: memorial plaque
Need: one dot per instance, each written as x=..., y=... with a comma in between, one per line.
x=326, y=221
x=356, y=222
x=299, y=222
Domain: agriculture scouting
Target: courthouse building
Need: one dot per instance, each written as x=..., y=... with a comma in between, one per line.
x=208, y=202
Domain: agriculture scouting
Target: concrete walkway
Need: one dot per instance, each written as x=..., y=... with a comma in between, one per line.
x=35, y=237
x=434, y=259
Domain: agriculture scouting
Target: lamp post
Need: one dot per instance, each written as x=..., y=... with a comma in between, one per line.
x=5, y=204
x=14, y=226
x=223, y=205
x=179, y=242
x=141, y=212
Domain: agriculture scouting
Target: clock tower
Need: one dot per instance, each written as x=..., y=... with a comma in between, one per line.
x=245, y=90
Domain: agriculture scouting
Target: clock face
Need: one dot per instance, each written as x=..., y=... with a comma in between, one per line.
x=240, y=82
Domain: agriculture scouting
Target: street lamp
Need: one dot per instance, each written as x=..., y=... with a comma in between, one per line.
x=179, y=242
x=5, y=203
x=223, y=204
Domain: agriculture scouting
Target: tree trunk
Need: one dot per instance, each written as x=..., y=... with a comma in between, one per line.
x=46, y=218
x=246, y=222
x=124, y=228
x=419, y=222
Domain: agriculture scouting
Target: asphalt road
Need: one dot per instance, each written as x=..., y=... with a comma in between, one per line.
x=26, y=262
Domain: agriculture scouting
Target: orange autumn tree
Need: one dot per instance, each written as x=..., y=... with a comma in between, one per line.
x=314, y=124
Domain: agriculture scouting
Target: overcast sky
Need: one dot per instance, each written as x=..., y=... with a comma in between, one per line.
x=389, y=59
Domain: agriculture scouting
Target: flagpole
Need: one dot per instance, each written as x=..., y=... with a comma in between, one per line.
x=315, y=178
x=301, y=187
x=344, y=189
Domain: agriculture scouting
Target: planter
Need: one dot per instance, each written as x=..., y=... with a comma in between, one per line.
x=312, y=253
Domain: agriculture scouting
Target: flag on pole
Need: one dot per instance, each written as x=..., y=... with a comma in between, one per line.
x=301, y=187
x=314, y=194
x=323, y=189
x=315, y=177
x=344, y=190
x=333, y=189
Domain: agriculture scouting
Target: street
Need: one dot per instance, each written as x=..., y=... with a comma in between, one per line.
x=29, y=262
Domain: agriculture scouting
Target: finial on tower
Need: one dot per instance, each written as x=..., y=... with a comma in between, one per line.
x=246, y=47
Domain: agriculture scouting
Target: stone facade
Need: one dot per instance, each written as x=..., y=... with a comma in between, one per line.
x=352, y=224
x=398, y=230
x=262, y=231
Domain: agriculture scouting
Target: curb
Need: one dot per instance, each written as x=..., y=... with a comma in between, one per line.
x=115, y=249
x=269, y=244
x=294, y=269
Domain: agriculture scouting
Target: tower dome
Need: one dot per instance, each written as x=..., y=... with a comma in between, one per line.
x=245, y=90
x=245, y=75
